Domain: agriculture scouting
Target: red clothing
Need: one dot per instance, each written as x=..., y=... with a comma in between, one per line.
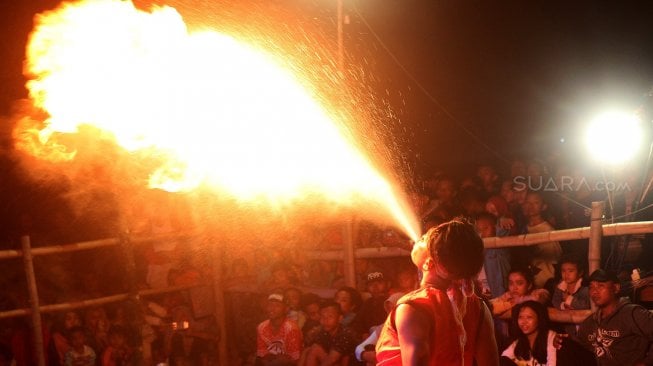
x=445, y=333
x=285, y=340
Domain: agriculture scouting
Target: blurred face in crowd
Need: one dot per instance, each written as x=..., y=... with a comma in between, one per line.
x=570, y=273
x=603, y=293
x=276, y=309
x=330, y=318
x=527, y=320
x=407, y=280
x=72, y=320
x=117, y=340
x=485, y=228
x=292, y=298
x=506, y=191
x=346, y=303
x=534, y=205
x=377, y=288
x=518, y=285
x=313, y=311
x=519, y=195
x=445, y=191
x=486, y=174
x=517, y=169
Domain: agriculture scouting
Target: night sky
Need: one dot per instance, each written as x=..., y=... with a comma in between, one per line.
x=504, y=78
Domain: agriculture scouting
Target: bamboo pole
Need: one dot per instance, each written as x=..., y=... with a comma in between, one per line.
x=596, y=232
x=37, y=328
x=220, y=308
x=349, y=254
x=52, y=308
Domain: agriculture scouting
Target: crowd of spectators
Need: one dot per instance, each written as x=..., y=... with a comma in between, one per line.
x=284, y=307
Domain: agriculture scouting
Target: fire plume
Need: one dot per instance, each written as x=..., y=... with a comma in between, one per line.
x=223, y=114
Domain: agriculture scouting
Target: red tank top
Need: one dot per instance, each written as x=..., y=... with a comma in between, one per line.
x=444, y=338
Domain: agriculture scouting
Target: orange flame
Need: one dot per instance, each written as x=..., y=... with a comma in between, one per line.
x=224, y=114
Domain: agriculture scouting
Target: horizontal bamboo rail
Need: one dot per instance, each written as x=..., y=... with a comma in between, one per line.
x=93, y=302
x=581, y=233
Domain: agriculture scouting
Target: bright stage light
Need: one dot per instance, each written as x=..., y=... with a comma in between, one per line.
x=614, y=137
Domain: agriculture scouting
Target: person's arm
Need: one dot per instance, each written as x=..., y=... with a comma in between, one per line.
x=486, y=352
x=371, y=340
x=551, y=351
x=413, y=330
x=568, y=316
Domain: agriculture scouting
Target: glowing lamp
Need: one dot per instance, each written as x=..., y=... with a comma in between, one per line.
x=614, y=137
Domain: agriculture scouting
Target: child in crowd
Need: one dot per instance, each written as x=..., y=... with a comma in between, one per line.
x=79, y=354
x=334, y=344
x=293, y=297
x=350, y=301
x=60, y=340
x=311, y=307
x=118, y=353
x=570, y=294
x=278, y=339
x=534, y=344
x=545, y=255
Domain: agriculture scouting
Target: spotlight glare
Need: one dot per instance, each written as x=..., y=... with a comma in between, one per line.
x=614, y=137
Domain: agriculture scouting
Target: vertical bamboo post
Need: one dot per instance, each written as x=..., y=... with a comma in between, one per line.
x=220, y=308
x=37, y=329
x=596, y=232
x=134, y=301
x=349, y=253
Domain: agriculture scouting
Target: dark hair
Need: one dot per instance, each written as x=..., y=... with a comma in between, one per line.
x=526, y=272
x=522, y=348
x=310, y=298
x=457, y=246
x=356, y=298
x=331, y=304
x=573, y=259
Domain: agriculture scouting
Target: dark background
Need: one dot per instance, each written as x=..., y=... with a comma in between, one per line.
x=467, y=81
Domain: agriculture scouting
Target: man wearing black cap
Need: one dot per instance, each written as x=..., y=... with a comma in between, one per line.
x=372, y=311
x=619, y=333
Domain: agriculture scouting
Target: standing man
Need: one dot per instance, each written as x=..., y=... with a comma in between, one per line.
x=443, y=322
x=619, y=333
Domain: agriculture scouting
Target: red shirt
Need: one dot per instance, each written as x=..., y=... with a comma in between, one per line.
x=287, y=340
x=444, y=338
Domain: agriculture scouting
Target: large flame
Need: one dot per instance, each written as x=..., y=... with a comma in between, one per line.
x=223, y=114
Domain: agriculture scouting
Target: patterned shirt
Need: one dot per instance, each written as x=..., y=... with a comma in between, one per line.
x=286, y=340
x=344, y=341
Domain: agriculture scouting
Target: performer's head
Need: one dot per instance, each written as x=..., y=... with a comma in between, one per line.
x=452, y=250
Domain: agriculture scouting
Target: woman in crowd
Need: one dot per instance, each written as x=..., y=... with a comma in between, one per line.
x=534, y=343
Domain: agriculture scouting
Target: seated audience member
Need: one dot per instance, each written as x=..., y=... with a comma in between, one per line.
x=80, y=354
x=496, y=262
x=118, y=353
x=570, y=294
x=545, y=255
x=278, y=339
x=520, y=289
x=406, y=280
x=335, y=343
x=619, y=333
x=366, y=351
x=192, y=340
x=60, y=343
x=372, y=312
x=534, y=344
x=311, y=306
x=293, y=297
x=350, y=301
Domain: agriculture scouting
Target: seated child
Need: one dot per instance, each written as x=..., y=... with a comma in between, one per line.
x=118, y=353
x=79, y=354
x=570, y=294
